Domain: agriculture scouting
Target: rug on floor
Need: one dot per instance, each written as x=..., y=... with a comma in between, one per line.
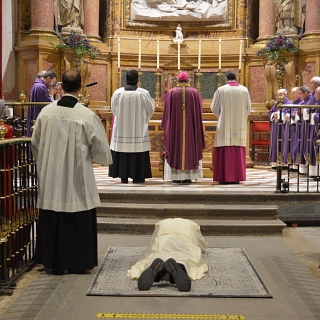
x=231, y=274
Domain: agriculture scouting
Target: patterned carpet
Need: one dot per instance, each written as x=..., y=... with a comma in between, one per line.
x=231, y=274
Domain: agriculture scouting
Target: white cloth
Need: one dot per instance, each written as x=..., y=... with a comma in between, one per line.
x=172, y=174
x=232, y=105
x=132, y=111
x=65, y=142
x=180, y=239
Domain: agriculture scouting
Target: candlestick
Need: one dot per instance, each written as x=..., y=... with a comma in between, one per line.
x=199, y=55
x=158, y=54
x=139, y=61
x=220, y=54
x=118, y=52
x=240, y=55
x=178, y=56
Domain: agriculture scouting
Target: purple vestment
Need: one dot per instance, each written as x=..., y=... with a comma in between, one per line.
x=39, y=93
x=274, y=126
x=172, y=123
x=304, y=133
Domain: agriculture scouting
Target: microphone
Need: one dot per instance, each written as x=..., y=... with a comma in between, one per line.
x=90, y=84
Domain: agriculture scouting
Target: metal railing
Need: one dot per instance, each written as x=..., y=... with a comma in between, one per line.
x=296, y=181
x=18, y=213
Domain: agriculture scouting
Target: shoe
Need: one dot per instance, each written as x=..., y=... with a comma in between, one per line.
x=293, y=170
x=177, y=181
x=180, y=277
x=148, y=276
x=125, y=180
x=274, y=168
x=186, y=181
x=57, y=272
x=138, y=180
x=233, y=182
x=75, y=271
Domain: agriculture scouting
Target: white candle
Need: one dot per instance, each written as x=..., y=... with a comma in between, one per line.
x=178, y=56
x=220, y=54
x=139, y=61
x=158, y=54
x=199, y=55
x=118, y=52
x=240, y=55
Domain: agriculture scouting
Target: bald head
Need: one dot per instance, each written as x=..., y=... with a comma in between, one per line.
x=282, y=93
x=71, y=82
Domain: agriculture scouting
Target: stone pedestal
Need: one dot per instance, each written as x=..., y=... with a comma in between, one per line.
x=312, y=25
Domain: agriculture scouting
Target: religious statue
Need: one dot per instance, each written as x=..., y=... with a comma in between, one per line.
x=69, y=15
x=184, y=10
x=179, y=35
x=289, y=16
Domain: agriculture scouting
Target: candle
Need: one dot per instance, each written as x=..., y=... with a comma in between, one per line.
x=139, y=61
x=199, y=55
x=178, y=56
x=118, y=52
x=220, y=54
x=158, y=54
x=240, y=55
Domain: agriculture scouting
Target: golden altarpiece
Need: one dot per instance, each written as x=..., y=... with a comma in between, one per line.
x=141, y=34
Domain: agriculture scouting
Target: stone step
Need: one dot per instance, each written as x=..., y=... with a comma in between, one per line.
x=189, y=211
x=208, y=227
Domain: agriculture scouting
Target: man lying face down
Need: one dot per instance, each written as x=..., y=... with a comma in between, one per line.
x=176, y=249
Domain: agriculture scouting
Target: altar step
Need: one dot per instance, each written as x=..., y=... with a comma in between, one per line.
x=128, y=215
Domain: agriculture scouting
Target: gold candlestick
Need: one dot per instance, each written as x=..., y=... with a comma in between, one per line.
x=240, y=75
x=158, y=75
x=139, y=74
x=199, y=74
x=119, y=78
x=219, y=74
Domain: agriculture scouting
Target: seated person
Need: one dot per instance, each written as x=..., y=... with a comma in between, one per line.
x=176, y=249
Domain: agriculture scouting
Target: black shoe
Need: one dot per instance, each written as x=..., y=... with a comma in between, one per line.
x=293, y=170
x=186, y=181
x=274, y=168
x=138, y=180
x=148, y=276
x=57, y=272
x=233, y=182
x=125, y=180
x=177, y=181
x=76, y=271
x=180, y=277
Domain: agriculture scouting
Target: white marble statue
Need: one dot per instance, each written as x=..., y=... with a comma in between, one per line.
x=179, y=35
x=171, y=10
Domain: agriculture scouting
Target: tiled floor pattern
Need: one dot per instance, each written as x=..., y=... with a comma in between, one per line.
x=260, y=179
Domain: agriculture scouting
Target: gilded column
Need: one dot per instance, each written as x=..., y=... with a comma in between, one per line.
x=91, y=19
x=312, y=24
x=42, y=17
x=267, y=19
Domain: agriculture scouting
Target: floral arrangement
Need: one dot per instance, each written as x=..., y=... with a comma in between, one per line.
x=276, y=45
x=81, y=46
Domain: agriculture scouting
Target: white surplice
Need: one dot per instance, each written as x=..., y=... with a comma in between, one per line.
x=177, y=238
x=65, y=142
x=232, y=121
x=132, y=111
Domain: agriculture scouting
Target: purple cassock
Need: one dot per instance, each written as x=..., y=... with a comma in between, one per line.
x=39, y=93
x=290, y=135
x=304, y=133
x=183, y=137
x=313, y=134
x=274, y=127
